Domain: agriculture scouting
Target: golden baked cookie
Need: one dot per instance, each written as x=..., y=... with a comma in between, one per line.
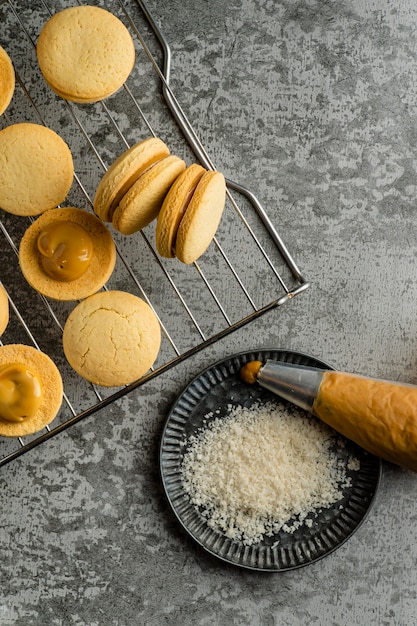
x=36, y=169
x=67, y=254
x=4, y=309
x=174, y=207
x=85, y=53
x=190, y=214
x=112, y=338
x=31, y=390
x=124, y=172
x=7, y=80
x=142, y=202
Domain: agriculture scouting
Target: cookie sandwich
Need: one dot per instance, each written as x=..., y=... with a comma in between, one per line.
x=131, y=192
x=190, y=214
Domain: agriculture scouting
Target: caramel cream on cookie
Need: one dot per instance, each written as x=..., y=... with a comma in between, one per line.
x=20, y=393
x=31, y=390
x=66, y=250
x=76, y=248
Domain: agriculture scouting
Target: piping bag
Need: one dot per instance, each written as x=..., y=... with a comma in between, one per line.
x=378, y=415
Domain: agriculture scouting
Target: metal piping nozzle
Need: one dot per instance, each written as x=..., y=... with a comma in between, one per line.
x=297, y=383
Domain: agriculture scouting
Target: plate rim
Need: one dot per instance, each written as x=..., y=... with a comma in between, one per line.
x=249, y=354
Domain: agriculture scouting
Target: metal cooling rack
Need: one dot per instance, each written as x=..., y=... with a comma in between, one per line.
x=196, y=305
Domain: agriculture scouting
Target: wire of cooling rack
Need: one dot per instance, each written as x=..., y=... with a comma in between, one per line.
x=81, y=403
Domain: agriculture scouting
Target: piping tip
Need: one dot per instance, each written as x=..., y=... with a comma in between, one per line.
x=298, y=384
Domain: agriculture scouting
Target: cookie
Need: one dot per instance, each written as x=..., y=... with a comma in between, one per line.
x=31, y=390
x=142, y=202
x=7, y=80
x=36, y=169
x=112, y=338
x=190, y=214
x=67, y=254
x=124, y=172
x=85, y=53
x=174, y=207
x=4, y=309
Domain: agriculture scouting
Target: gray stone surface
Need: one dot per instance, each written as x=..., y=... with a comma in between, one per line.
x=312, y=105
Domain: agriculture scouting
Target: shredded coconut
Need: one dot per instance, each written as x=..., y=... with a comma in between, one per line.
x=260, y=470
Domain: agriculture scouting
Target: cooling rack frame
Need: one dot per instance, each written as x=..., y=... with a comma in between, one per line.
x=298, y=283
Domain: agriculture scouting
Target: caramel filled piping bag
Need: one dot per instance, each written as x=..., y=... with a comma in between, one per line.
x=378, y=415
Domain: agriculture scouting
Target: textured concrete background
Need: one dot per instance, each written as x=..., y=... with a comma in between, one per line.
x=312, y=104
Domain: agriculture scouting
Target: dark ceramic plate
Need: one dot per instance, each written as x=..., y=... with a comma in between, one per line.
x=214, y=390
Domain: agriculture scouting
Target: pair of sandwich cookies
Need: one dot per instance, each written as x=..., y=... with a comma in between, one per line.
x=146, y=183
x=190, y=214
x=131, y=192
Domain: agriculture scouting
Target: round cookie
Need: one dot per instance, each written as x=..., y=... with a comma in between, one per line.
x=123, y=172
x=85, y=53
x=142, y=202
x=174, y=207
x=7, y=80
x=4, y=309
x=112, y=338
x=36, y=169
x=98, y=272
x=51, y=385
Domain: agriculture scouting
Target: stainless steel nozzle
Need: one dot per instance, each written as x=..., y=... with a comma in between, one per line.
x=297, y=383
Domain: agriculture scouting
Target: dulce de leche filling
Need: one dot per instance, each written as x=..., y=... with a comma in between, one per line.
x=66, y=250
x=20, y=393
